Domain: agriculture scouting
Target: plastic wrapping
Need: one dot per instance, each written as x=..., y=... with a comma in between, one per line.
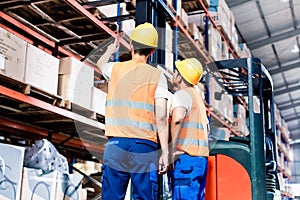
x=43, y=155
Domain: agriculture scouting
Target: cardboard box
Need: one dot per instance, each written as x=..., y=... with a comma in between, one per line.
x=98, y=101
x=169, y=60
x=75, y=82
x=225, y=51
x=68, y=187
x=41, y=70
x=12, y=157
x=127, y=26
x=239, y=121
x=169, y=38
x=194, y=31
x=256, y=104
x=232, y=24
x=14, y=51
x=38, y=186
x=220, y=12
x=183, y=18
x=234, y=39
x=215, y=43
x=221, y=102
x=244, y=51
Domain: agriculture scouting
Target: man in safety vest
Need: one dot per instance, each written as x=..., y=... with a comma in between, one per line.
x=135, y=118
x=189, y=132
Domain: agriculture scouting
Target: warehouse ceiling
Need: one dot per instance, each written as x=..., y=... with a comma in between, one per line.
x=271, y=29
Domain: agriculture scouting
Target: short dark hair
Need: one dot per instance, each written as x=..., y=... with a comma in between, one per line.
x=185, y=81
x=142, y=49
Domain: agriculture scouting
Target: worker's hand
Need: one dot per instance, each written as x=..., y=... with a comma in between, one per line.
x=113, y=48
x=163, y=163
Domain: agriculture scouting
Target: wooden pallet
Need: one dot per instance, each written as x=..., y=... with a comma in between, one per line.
x=30, y=90
x=79, y=109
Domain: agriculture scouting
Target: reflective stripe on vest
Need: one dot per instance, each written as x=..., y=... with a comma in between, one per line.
x=130, y=104
x=130, y=101
x=195, y=125
x=193, y=138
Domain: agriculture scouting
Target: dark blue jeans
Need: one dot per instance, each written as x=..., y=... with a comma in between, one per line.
x=189, y=178
x=126, y=158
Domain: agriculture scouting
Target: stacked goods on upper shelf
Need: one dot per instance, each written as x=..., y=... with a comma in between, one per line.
x=75, y=82
x=169, y=59
x=239, y=124
x=221, y=103
x=244, y=51
x=28, y=64
x=220, y=13
x=183, y=18
x=215, y=43
x=234, y=39
x=283, y=159
x=13, y=49
x=195, y=33
x=41, y=69
x=256, y=104
x=128, y=25
x=225, y=51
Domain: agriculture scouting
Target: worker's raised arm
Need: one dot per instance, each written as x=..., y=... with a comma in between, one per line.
x=162, y=128
x=112, y=48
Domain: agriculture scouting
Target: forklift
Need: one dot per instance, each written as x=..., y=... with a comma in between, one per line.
x=245, y=168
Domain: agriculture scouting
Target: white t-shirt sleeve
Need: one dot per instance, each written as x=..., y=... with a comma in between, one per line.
x=182, y=99
x=107, y=70
x=162, y=88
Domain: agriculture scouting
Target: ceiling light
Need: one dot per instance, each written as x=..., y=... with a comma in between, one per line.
x=295, y=49
x=284, y=1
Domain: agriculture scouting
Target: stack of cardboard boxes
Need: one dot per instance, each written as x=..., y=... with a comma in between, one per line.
x=221, y=103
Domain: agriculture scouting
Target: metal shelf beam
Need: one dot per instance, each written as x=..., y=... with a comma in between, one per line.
x=46, y=106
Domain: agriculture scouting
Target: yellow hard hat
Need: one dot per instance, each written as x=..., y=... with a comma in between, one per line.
x=191, y=69
x=145, y=34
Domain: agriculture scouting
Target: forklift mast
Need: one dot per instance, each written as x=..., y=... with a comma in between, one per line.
x=256, y=154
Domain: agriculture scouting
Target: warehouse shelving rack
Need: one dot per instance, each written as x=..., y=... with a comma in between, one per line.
x=35, y=35
x=59, y=124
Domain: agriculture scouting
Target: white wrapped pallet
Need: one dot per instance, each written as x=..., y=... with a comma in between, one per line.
x=38, y=185
x=11, y=165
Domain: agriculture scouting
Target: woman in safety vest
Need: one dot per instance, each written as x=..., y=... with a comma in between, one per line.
x=135, y=118
x=189, y=133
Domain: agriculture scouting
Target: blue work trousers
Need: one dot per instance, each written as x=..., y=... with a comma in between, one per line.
x=189, y=178
x=126, y=158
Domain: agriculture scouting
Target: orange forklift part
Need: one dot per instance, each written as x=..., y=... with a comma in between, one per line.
x=227, y=179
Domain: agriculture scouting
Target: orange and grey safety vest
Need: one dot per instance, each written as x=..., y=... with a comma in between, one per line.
x=193, y=138
x=130, y=105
